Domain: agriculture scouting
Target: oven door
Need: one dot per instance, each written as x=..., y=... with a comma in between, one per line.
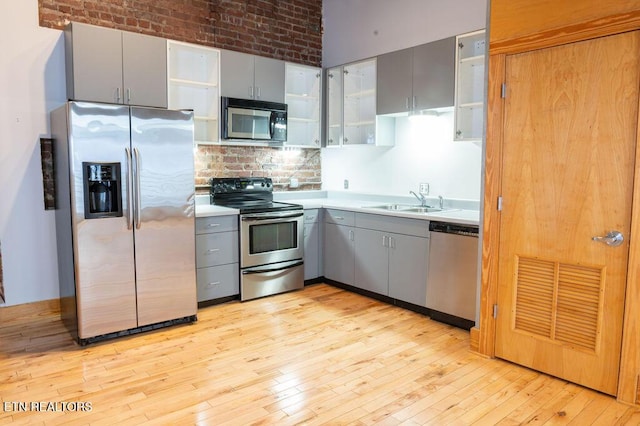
x=271, y=237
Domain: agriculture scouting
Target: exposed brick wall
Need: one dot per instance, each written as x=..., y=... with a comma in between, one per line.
x=287, y=30
x=48, y=175
x=237, y=161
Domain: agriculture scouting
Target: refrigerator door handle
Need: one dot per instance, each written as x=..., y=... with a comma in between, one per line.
x=129, y=188
x=137, y=220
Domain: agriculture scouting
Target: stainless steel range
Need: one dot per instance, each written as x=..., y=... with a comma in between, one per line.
x=271, y=236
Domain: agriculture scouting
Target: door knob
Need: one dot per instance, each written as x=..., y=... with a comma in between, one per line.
x=613, y=239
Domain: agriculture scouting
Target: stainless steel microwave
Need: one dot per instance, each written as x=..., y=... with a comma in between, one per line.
x=254, y=120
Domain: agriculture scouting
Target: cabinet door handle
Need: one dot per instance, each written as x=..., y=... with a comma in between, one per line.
x=213, y=225
x=351, y=236
x=392, y=243
x=117, y=95
x=384, y=241
x=212, y=250
x=407, y=102
x=258, y=92
x=213, y=284
x=128, y=95
x=250, y=92
x=338, y=218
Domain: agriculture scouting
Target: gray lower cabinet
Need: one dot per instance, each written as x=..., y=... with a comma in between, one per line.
x=371, y=261
x=408, y=268
x=339, y=235
x=113, y=66
x=217, y=257
x=312, y=244
x=391, y=256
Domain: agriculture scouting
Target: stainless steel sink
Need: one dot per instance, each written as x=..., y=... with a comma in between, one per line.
x=423, y=209
x=407, y=208
x=392, y=207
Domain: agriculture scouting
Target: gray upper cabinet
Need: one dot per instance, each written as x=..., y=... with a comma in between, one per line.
x=106, y=65
x=434, y=74
x=419, y=78
x=247, y=76
x=144, y=70
x=395, y=82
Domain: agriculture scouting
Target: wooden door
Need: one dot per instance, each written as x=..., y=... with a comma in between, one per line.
x=568, y=158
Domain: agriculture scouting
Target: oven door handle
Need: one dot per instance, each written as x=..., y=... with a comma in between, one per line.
x=262, y=271
x=249, y=218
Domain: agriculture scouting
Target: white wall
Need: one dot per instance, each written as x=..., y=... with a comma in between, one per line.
x=357, y=29
x=424, y=152
x=31, y=84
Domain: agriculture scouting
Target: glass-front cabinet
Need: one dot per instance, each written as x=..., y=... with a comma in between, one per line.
x=194, y=83
x=334, y=106
x=351, y=106
x=469, y=97
x=303, y=94
x=359, y=103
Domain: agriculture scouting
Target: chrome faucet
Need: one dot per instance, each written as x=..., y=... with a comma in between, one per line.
x=421, y=198
x=441, y=200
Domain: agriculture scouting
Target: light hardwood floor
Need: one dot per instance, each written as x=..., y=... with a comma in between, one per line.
x=321, y=355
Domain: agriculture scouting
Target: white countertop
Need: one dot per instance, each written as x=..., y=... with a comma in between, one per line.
x=461, y=216
x=357, y=203
x=206, y=210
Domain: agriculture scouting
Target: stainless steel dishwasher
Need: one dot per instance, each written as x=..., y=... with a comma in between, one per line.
x=452, y=276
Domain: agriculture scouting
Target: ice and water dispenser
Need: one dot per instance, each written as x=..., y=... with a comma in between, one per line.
x=102, y=190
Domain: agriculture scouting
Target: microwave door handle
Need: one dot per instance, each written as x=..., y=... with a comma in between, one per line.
x=272, y=124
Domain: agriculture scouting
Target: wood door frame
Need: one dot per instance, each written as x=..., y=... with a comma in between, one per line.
x=629, y=373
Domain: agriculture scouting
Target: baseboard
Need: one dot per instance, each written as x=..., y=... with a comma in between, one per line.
x=474, y=339
x=42, y=307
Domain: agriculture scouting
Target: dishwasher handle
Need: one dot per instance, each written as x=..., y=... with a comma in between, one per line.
x=454, y=228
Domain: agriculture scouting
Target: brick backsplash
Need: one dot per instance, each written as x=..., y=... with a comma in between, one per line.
x=278, y=164
x=287, y=30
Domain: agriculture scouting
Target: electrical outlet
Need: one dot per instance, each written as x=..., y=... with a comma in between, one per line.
x=293, y=183
x=346, y=184
x=424, y=189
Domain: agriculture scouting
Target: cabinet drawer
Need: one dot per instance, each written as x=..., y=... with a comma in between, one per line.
x=339, y=217
x=312, y=215
x=206, y=225
x=216, y=249
x=398, y=225
x=218, y=281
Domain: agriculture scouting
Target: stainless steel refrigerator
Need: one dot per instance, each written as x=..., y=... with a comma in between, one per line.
x=124, y=218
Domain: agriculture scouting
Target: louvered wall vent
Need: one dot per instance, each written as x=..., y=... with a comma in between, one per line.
x=558, y=301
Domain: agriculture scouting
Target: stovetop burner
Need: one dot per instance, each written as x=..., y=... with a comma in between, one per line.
x=249, y=195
